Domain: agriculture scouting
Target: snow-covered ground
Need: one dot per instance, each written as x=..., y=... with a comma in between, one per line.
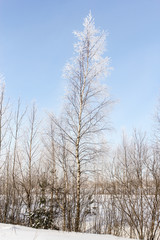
x=15, y=232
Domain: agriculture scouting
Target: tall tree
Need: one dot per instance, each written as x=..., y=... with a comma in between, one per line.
x=87, y=101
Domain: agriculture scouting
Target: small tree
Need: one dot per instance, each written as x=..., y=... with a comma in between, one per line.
x=30, y=155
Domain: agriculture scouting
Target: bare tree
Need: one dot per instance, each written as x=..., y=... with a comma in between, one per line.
x=135, y=187
x=16, y=140
x=5, y=144
x=30, y=156
x=4, y=116
x=87, y=102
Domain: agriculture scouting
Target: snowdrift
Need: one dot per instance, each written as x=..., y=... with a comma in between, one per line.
x=15, y=232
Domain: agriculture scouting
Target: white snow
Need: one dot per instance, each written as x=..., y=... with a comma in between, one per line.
x=15, y=232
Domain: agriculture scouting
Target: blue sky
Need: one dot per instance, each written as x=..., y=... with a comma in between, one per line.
x=36, y=41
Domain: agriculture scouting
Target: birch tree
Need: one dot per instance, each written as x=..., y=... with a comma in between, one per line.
x=31, y=154
x=87, y=102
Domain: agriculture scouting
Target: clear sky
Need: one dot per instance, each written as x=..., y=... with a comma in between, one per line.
x=36, y=41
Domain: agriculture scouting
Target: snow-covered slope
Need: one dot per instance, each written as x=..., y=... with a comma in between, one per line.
x=15, y=232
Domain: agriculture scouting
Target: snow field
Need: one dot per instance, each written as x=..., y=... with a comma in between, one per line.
x=15, y=232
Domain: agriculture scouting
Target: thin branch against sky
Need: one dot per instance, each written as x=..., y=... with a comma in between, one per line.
x=36, y=40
